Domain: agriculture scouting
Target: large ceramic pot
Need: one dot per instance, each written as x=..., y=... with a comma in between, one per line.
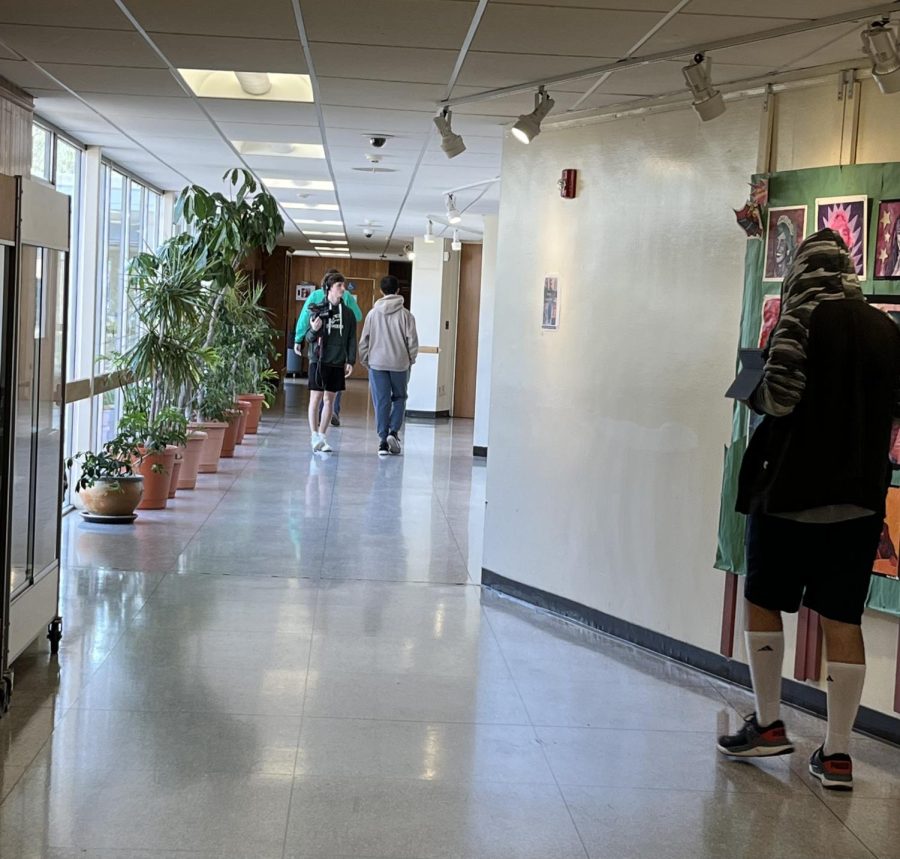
x=157, y=471
x=190, y=462
x=256, y=404
x=212, y=447
x=229, y=439
x=176, y=471
x=245, y=408
x=118, y=497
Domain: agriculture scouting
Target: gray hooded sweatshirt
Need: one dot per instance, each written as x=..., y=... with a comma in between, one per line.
x=389, y=340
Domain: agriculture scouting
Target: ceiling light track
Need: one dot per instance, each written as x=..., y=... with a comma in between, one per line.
x=856, y=15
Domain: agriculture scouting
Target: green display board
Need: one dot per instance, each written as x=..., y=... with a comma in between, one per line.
x=877, y=182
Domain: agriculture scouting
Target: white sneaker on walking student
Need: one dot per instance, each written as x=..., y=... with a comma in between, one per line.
x=324, y=446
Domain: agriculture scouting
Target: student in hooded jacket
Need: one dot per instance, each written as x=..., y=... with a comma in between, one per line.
x=388, y=347
x=317, y=297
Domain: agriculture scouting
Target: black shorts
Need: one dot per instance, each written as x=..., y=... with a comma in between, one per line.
x=326, y=377
x=826, y=566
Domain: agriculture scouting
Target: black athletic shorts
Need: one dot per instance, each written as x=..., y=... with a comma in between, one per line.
x=826, y=566
x=326, y=377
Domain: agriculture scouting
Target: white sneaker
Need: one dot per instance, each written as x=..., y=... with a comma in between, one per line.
x=317, y=441
x=324, y=446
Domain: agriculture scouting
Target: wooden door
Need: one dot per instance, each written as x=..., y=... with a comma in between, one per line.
x=365, y=297
x=467, y=331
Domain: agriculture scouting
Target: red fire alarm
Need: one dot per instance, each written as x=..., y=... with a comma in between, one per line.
x=567, y=184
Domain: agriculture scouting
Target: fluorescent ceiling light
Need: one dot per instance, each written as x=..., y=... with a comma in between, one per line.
x=324, y=232
x=305, y=184
x=323, y=207
x=210, y=83
x=288, y=150
x=321, y=223
x=328, y=242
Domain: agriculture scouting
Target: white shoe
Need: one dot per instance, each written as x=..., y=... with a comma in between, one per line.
x=317, y=441
x=324, y=446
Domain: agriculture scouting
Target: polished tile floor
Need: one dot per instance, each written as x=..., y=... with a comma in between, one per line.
x=296, y=660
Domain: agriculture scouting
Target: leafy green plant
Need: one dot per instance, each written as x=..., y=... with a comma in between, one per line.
x=117, y=458
x=215, y=398
x=153, y=434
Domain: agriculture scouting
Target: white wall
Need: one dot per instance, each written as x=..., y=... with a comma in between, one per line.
x=619, y=415
x=485, y=331
x=435, y=294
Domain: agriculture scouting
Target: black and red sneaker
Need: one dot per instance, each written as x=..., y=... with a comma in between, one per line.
x=834, y=771
x=755, y=741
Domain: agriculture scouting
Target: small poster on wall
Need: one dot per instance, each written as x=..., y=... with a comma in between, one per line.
x=847, y=217
x=551, y=303
x=784, y=234
x=771, y=310
x=887, y=243
x=304, y=290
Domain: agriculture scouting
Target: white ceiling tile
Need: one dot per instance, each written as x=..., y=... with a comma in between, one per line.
x=25, y=75
x=377, y=121
x=283, y=55
x=826, y=45
x=261, y=112
x=779, y=8
x=661, y=78
x=103, y=79
x=264, y=19
x=486, y=70
x=81, y=45
x=347, y=92
x=5, y=53
x=164, y=127
x=412, y=64
x=397, y=23
x=142, y=105
x=561, y=31
x=100, y=14
x=271, y=133
x=687, y=30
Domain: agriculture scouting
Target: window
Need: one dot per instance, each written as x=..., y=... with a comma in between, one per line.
x=41, y=152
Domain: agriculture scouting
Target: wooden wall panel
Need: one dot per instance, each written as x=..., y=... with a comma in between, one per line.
x=276, y=275
x=16, y=115
x=467, y=331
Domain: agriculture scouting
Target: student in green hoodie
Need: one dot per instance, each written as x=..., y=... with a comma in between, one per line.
x=317, y=297
x=332, y=353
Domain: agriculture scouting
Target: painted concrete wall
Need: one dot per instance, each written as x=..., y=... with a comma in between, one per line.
x=486, y=331
x=606, y=437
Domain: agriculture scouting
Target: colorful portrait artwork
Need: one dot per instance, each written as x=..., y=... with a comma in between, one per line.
x=771, y=310
x=887, y=241
x=550, y=321
x=786, y=229
x=886, y=557
x=847, y=217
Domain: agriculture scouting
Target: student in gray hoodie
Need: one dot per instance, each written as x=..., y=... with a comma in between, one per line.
x=388, y=348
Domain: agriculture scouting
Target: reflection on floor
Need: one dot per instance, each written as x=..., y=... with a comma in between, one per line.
x=295, y=660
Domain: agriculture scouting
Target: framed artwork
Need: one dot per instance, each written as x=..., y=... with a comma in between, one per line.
x=847, y=216
x=304, y=291
x=550, y=320
x=785, y=230
x=771, y=310
x=887, y=241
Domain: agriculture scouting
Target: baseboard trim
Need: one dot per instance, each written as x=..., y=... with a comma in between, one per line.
x=428, y=416
x=477, y=450
x=799, y=694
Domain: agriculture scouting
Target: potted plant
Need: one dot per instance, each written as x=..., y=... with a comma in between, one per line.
x=107, y=485
x=159, y=437
x=212, y=406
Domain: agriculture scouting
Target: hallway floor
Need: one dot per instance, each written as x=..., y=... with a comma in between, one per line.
x=295, y=660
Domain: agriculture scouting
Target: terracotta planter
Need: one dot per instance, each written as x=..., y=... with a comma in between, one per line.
x=176, y=472
x=212, y=447
x=191, y=460
x=245, y=408
x=157, y=471
x=256, y=404
x=117, y=497
x=230, y=438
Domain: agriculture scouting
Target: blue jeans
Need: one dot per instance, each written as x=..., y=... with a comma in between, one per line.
x=389, y=399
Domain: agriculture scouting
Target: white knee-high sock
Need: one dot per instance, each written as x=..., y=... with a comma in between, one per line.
x=845, y=685
x=765, y=653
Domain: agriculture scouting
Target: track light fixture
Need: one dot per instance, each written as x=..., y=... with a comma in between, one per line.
x=451, y=143
x=410, y=253
x=456, y=244
x=528, y=125
x=453, y=214
x=708, y=101
x=429, y=232
x=880, y=43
